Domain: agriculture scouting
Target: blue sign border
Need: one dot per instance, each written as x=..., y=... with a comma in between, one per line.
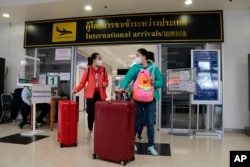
x=208, y=75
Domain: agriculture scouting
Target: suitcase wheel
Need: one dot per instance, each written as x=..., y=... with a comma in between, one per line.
x=94, y=156
x=123, y=163
x=133, y=158
x=61, y=145
x=75, y=144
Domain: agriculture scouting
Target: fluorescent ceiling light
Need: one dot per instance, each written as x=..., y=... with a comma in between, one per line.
x=133, y=56
x=6, y=15
x=88, y=7
x=25, y=2
x=188, y=2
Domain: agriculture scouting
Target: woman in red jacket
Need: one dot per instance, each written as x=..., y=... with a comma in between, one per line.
x=97, y=80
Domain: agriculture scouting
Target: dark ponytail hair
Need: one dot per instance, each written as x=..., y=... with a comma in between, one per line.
x=149, y=55
x=143, y=52
x=91, y=58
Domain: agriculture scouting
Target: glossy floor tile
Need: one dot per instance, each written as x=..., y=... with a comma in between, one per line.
x=207, y=151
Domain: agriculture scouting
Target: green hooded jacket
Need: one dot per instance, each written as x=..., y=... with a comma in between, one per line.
x=133, y=72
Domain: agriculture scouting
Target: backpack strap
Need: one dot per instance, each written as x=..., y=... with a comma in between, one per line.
x=148, y=70
x=153, y=73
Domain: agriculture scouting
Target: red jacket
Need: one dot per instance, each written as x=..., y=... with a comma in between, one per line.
x=89, y=78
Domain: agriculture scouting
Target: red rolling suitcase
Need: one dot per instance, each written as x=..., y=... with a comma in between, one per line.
x=114, y=133
x=67, y=123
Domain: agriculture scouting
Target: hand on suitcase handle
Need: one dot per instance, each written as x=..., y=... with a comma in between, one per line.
x=120, y=90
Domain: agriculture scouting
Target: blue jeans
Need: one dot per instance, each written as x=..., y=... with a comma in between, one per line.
x=149, y=109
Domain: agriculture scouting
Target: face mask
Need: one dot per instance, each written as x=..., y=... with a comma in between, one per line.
x=138, y=60
x=98, y=62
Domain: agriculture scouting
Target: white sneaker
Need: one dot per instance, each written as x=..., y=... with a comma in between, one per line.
x=135, y=148
x=89, y=135
x=151, y=150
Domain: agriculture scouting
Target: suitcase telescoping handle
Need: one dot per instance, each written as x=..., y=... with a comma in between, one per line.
x=120, y=95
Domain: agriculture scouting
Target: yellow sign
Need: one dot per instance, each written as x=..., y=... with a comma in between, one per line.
x=64, y=32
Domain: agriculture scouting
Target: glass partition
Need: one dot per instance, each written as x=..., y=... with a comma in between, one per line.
x=56, y=66
x=52, y=66
x=29, y=68
x=176, y=57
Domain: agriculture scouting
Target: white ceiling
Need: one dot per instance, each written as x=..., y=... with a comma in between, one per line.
x=114, y=55
x=29, y=10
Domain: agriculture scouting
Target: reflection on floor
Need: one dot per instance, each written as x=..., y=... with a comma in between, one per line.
x=18, y=139
x=162, y=149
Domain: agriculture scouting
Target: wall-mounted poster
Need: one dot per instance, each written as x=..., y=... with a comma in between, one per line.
x=208, y=84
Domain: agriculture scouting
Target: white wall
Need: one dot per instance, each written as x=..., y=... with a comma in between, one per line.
x=11, y=46
x=235, y=50
x=235, y=70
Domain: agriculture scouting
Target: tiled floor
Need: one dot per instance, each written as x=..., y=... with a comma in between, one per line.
x=185, y=151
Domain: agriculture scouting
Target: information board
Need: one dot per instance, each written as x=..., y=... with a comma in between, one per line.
x=181, y=81
x=208, y=85
x=41, y=93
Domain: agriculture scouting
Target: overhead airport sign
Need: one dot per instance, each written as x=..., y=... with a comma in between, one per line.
x=64, y=32
x=205, y=26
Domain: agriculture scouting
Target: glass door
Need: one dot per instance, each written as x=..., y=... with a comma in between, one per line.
x=176, y=56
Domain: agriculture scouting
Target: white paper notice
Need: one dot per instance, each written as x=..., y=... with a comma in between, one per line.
x=185, y=75
x=188, y=86
x=191, y=87
x=63, y=54
x=42, y=79
x=64, y=76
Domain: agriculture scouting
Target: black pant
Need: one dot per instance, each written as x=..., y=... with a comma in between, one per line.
x=91, y=109
x=25, y=110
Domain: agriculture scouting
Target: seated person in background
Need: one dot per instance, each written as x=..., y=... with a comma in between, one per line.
x=26, y=108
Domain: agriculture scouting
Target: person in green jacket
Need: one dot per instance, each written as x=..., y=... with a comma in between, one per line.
x=151, y=58
x=142, y=61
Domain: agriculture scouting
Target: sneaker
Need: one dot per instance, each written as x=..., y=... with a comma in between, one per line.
x=21, y=124
x=151, y=150
x=89, y=135
x=135, y=148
